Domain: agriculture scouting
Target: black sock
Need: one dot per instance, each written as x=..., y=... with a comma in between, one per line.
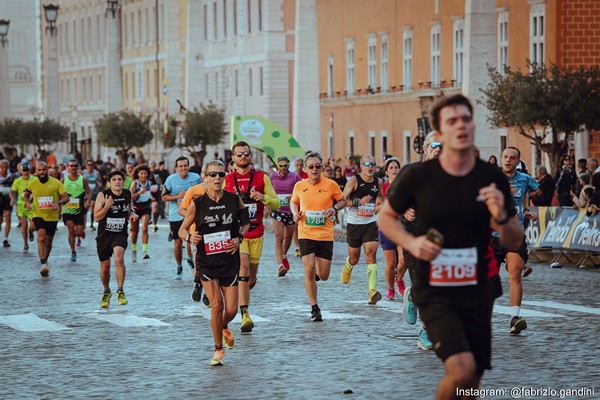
x=317, y=278
x=107, y=290
x=315, y=307
x=154, y=218
x=219, y=347
x=119, y=289
x=43, y=260
x=243, y=309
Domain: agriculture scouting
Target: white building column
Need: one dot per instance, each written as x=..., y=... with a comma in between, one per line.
x=480, y=51
x=4, y=78
x=306, y=126
x=52, y=100
x=113, y=77
x=194, y=68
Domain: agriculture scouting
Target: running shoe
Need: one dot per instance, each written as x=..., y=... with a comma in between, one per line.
x=155, y=229
x=315, y=315
x=83, y=234
x=526, y=271
x=197, y=292
x=555, y=264
x=517, y=325
x=145, y=255
x=25, y=248
x=401, y=287
x=217, y=358
x=409, y=311
x=5, y=243
x=78, y=241
x=286, y=263
x=190, y=264
x=374, y=296
x=179, y=272
x=206, y=301
x=282, y=270
x=121, y=297
x=19, y=224
x=133, y=256
x=73, y=256
x=228, y=339
x=44, y=270
x=297, y=252
x=424, y=343
x=105, y=302
x=346, y=274
x=31, y=236
x=390, y=295
x=170, y=237
x=247, y=323
x=92, y=228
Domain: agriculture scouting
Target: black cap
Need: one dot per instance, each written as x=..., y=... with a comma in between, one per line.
x=25, y=167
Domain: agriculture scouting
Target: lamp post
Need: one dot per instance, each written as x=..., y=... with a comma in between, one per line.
x=113, y=77
x=4, y=71
x=52, y=103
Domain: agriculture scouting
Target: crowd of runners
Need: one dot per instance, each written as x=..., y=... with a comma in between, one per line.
x=452, y=221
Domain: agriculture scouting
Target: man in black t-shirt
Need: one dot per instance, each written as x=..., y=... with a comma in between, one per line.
x=451, y=286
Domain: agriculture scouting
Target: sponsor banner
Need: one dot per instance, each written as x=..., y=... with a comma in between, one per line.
x=563, y=228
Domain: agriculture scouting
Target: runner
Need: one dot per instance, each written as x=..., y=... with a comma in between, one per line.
x=314, y=202
x=283, y=221
x=174, y=189
x=520, y=185
x=142, y=204
x=6, y=181
x=155, y=191
x=73, y=212
x=113, y=209
x=48, y=194
x=256, y=191
x=221, y=222
x=94, y=180
x=395, y=268
x=24, y=215
x=363, y=192
x=451, y=287
x=299, y=169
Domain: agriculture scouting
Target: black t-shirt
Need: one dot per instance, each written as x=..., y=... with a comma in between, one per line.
x=217, y=222
x=116, y=219
x=449, y=204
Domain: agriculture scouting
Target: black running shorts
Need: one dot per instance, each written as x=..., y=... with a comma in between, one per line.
x=106, y=242
x=48, y=226
x=78, y=219
x=500, y=251
x=320, y=248
x=175, y=225
x=223, y=281
x=359, y=234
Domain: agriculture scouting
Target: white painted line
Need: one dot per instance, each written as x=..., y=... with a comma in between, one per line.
x=391, y=306
x=127, y=320
x=563, y=306
x=204, y=312
x=526, y=312
x=31, y=323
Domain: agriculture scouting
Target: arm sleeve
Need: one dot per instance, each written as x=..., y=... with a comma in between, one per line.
x=271, y=199
x=398, y=194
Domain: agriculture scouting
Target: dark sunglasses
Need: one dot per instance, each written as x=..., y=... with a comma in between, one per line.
x=435, y=145
x=242, y=153
x=74, y=165
x=90, y=165
x=284, y=165
x=369, y=164
x=314, y=166
x=214, y=174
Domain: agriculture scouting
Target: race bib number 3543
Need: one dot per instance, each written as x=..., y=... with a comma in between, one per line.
x=454, y=267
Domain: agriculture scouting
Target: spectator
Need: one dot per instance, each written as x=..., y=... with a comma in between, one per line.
x=593, y=166
x=587, y=190
x=50, y=159
x=339, y=178
x=565, y=181
x=581, y=169
x=493, y=160
x=594, y=202
x=350, y=169
x=544, y=199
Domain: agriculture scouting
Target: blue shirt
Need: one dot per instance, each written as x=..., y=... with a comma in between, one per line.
x=524, y=184
x=173, y=186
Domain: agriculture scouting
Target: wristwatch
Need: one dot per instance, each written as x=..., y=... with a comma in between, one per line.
x=241, y=237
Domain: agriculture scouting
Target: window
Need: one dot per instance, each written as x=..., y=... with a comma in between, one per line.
x=351, y=142
x=216, y=96
x=502, y=41
x=384, y=144
x=537, y=33
x=350, y=67
x=139, y=36
x=67, y=38
x=215, y=20
x=237, y=83
x=132, y=30
x=331, y=143
x=100, y=87
x=503, y=139
x=125, y=36
x=260, y=27
x=330, y=76
x=75, y=94
x=91, y=81
x=84, y=89
x=249, y=12
x=225, y=18
x=161, y=23
x=384, y=64
x=147, y=23
x=407, y=146
x=407, y=60
x=75, y=37
x=205, y=22
x=372, y=63
x=372, y=143
x=68, y=90
x=260, y=77
x=147, y=84
x=250, y=82
x=459, y=50
x=153, y=27
x=435, y=56
x=84, y=33
x=98, y=32
x=234, y=17
x=206, y=85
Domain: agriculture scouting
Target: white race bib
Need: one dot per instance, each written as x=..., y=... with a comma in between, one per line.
x=284, y=199
x=45, y=202
x=115, y=224
x=73, y=203
x=315, y=218
x=366, y=210
x=454, y=267
x=5, y=189
x=214, y=243
x=252, y=208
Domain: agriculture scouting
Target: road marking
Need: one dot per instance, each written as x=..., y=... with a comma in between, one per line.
x=204, y=312
x=128, y=320
x=563, y=306
x=526, y=312
x=31, y=323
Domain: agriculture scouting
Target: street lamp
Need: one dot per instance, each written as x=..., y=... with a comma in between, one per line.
x=51, y=13
x=4, y=23
x=113, y=7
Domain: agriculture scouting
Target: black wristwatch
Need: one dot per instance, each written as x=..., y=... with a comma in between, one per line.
x=334, y=207
x=241, y=237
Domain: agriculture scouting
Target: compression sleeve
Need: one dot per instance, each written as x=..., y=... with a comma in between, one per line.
x=271, y=200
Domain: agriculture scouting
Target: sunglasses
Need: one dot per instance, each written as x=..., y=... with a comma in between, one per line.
x=242, y=153
x=314, y=166
x=435, y=145
x=284, y=165
x=369, y=164
x=90, y=165
x=74, y=165
x=214, y=174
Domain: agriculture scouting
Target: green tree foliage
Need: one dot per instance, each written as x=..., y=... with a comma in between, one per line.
x=546, y=105
x=204, y=126
x=123, y=130
x=41, y=134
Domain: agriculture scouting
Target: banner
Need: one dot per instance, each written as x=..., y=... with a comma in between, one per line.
x=563, y=228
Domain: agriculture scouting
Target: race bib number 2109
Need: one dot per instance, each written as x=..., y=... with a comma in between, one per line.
x=454, y=267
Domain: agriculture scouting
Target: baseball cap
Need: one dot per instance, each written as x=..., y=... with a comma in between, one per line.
x=25, y=167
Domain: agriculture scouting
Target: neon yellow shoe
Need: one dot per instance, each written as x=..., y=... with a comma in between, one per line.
x=121, y=297
x=217, y=357
x=346, y=274
x=228, y=339
x=374, y=296
x=105, y=302
x=247, y=323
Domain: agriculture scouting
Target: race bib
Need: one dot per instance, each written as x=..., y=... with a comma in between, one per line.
x=5, y=189
x=366, y=210
x=454, y=267
x=115, y=224
x=92, y=186
x=252, y=208
x=45, y=203
x=214, y=243
x=315, y=218
x=153, y=188
x=73, y=203
x=284, y=199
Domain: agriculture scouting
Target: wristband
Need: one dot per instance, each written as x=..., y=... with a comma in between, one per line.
x=188, y=238
x=356, y=202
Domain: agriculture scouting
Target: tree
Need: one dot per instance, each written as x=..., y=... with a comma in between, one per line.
x=40, y=134
x=547, y=105
x=204, y=126
x=123, y=130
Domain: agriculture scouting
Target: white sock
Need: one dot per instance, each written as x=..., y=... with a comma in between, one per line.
x=515, y=311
